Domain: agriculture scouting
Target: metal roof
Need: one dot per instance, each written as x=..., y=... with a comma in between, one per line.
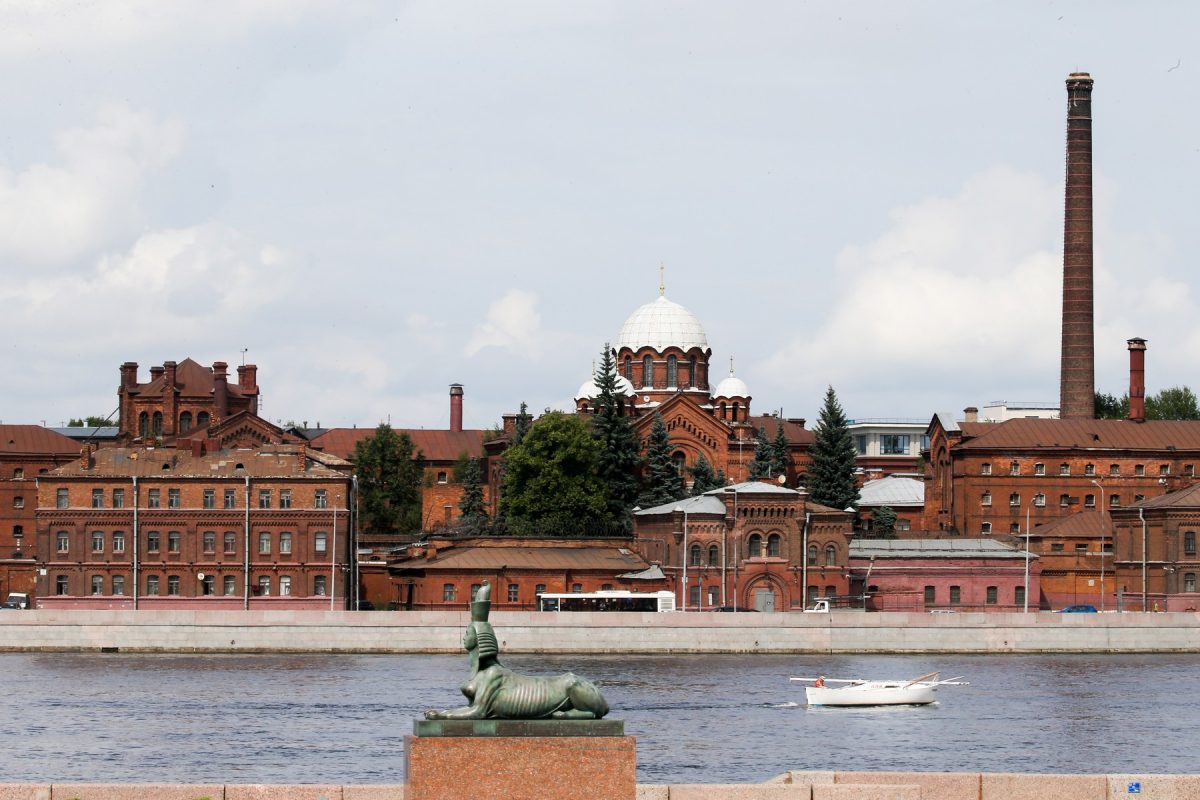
x=1183, y=498
x=704, y=504
x=106, y=432
x=434, y=445
x=1084, y=434
x=661, y=324
x=34, y=439
x=284, y=460
x=893, y=492
x=1084, y=523
x=545, y=558
x=932, y=548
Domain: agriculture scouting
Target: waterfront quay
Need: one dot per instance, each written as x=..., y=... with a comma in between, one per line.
x=598, y=633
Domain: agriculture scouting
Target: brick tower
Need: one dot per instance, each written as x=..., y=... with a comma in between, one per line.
x=1077, y=382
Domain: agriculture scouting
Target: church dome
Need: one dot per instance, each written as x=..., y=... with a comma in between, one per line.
x=589, y=390
x=732, y=387
x=662, y=324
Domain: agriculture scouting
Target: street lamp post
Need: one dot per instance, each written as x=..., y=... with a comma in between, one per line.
x=684, y=556
x=1103, y=538
x=1025, y=596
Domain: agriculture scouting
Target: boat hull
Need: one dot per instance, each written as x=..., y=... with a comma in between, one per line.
x=871, y=693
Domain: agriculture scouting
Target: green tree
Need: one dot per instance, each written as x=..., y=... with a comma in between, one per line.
x=721, y=480
x=1178, y=402
x=663, y=483
x=620, y=456
x=389, y=481
x=461, y=464
x=89, y=422
x=781, y=451
x=703, y=478
x=831, y=476
x=521, y=425
x=474, y=514
x=1110, y=406
x=760, y=466
x=550, y=479
x=883, y=522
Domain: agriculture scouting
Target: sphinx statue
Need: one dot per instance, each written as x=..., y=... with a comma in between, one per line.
x=496, y=692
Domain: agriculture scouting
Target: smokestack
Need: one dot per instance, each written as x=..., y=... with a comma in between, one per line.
x=456, y=400
x=129, y=372
x=970, y=414
x=220, y=389
x=1137, y=379
x=1077, y=383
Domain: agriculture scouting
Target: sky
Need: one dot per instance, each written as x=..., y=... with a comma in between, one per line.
x=374, y=200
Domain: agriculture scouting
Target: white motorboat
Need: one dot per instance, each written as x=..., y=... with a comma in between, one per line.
x=859, y=692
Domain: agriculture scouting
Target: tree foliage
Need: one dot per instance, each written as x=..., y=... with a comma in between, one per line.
x=703, y=477
x=883, y=522
x=1110, y=406
x=781, y=456
x=474, y=513
x=663, y=483
x=761, y=465
x=620, y=456
x=89, y=422
x=550, y=479
x=389, y=481
x=831, y=477
x=1177, y=402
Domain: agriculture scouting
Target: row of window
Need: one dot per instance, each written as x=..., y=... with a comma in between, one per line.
x=208, y=585
x=992, y=595
x=154, y=498
x=890, y=444
x=758, y=546
x=152, y=424
x=1064, y=500
x=1114, y=470
x=672, y=371
x=208, y=540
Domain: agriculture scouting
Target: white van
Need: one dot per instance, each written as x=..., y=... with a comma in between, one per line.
x=17, y=600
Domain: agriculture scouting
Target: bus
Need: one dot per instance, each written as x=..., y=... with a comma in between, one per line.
x=618, y=600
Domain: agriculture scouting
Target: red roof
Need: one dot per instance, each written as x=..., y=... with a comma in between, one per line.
x=270, y=461
x=1083, y=434
x=795, y=433
x=434, y=445
x=191, y=380
x=35, y=439
x=545, y=558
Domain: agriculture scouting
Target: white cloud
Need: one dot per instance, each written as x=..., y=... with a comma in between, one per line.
x=54, y=212
x=512, y=324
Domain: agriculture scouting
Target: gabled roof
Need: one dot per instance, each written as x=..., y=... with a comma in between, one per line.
x=1183, y=498
x=794, y=431
x=281, y=461
x=434, y=445
x=933, y=548
x=893, y=491
x=191, y=380
x=34, y=439
x=704, y=504
x=1084, y=523
x=548, y=558
x=1084, y=434
x=95, y=433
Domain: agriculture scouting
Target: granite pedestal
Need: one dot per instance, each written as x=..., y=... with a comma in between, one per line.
x=519, y=759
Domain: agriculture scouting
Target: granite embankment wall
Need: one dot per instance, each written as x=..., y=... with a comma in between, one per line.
x=792, y=786
x=532, y=632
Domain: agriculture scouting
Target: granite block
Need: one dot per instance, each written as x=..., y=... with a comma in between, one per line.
x=653, y=791
x=1155, y=787
x=518, y=727
x=373, y=792
x=136, y=791
x=934, y=785
x=24, y=791
x=258, y=791
x=867, y=791
x=743, y=791
x=808, y=777
x=516, y=768
x=1020, y=786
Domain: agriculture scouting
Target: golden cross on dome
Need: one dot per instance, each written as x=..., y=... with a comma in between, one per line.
x=662, y=286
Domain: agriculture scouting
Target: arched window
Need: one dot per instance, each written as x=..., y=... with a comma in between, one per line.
x=1014, y=499
x=755, y=546
x=679, y=459
x=672, y=371
x=143, y=424
x=647, y=373
x=694, y=556
x=629, y=368
x=692, y=372
x=724, y=411
x=714, y=558
x=202, y=419
x=812, y=555
x=774, y=545
x=158, y=423
x=830, y=556
x=735, y=412
x=1189, y=581
x=185, y=422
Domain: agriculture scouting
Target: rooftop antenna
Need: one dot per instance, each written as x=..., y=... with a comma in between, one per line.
x=662, y=284
x=244, y=351
x=731, y=366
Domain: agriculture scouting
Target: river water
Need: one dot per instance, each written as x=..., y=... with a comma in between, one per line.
x=697, y=719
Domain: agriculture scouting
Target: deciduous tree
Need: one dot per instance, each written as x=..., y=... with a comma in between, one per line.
x=389, y=480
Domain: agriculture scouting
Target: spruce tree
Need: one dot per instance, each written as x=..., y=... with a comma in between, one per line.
x=703, y=479
x=620, y=457
x=831, y=477
x=521, y=425
x=474, y=514
x=663, y=483
x=721, y=480
x=781, y=456
x=883, y=522
x=760, y=466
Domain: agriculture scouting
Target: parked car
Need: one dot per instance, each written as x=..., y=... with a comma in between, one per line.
x=1080, y=609
x=16, y=600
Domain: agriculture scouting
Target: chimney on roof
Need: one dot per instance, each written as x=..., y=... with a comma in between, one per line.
x=129, y=374
x=155, y=373
x=1137, y=379
x=248, y=382
x=88, y=456
x=221, y=389
x=1077, y=382
x=970, y=414
x=456, y=400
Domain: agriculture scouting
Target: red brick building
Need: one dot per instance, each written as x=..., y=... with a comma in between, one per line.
x=26, y=452
x=1155, y=553
x=751, y=545
x=1076, y=557
x=181, y=399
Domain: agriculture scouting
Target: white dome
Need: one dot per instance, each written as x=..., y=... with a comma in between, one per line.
x=732, y=387
x=660, y=325
x=589, y=390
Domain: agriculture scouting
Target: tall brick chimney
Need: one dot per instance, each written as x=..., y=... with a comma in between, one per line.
x=456, y=398
x=220, y=389
x=129, y=374
x=1077, y=382
x=1137, y=379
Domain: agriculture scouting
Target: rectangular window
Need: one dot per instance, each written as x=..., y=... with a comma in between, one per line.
x=1064, y=469
x=1056, y=547
x=264, y=543
x=173, y=584
x=152, y=585
x=231, y=498
x=230, y=584
x=152, y=542
x=903, y=525
x=210, y=541
x=1019, y=595
x=1039, y=469
x=18, y=502
x=993, y=595
x=891, y=444
x=1114, y=500
x=1089, y=501
x=1089, y=469
x=1014, y=499
x=955, y=595
x=1139, y=470
x=60, y=498
x=694, y=596
x=285, y=586
x=985, y=528
x=539, y=589
x=319, y=542
x=1081, y=547
x=985, y=499
x=514, y=592
x=285, y=544
x=118, y=542
x=860, y=444
x=172, y=498
x=321, y=499
x=1014, y=468
x=173, y=542
x=208, y=586
x=985, y=469
x=577, y=588
x=264, y=586
x=264, y=498
x=210, y=498
x=1114, y=469
x=448, y=593
x=1164, y=469
x=118, y=584
x=319, y=584
x=1039, y=499
x=230, y=542
x=63, y=541
x=97, y=584
x=118, y=498
x=97, y=498
x=442, y=477
x=152, y=499
x=97, y=542
x=285, y=498
x=60, y=585
x=930, y=595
